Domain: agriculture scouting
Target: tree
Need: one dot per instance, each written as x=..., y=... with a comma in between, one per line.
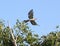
x=52, y=39
x=20, y=35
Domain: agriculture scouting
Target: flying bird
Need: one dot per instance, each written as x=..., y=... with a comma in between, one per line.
x=31, y=18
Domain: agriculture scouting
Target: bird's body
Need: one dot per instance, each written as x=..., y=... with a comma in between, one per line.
x=31, y=19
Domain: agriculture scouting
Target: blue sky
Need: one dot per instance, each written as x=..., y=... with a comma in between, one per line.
x=47, y=13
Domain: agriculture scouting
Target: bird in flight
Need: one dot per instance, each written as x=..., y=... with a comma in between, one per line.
x=31, y=18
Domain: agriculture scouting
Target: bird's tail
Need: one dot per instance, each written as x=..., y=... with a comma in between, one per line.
x=26, y=21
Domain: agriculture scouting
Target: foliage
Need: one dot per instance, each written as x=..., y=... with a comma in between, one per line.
x=52, y=39
x=21, y=33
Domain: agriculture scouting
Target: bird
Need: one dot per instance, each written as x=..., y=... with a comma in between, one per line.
x=31, y=18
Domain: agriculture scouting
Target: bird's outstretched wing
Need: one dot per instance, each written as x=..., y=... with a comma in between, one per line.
x=30, y=14
x=33, y=22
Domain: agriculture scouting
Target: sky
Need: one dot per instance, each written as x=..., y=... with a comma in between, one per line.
x=47, y=13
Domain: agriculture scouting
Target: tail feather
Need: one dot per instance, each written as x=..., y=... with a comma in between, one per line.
x=26, y=21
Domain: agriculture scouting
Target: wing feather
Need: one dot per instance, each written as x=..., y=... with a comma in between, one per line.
x=33, y=22
x=30, y=14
